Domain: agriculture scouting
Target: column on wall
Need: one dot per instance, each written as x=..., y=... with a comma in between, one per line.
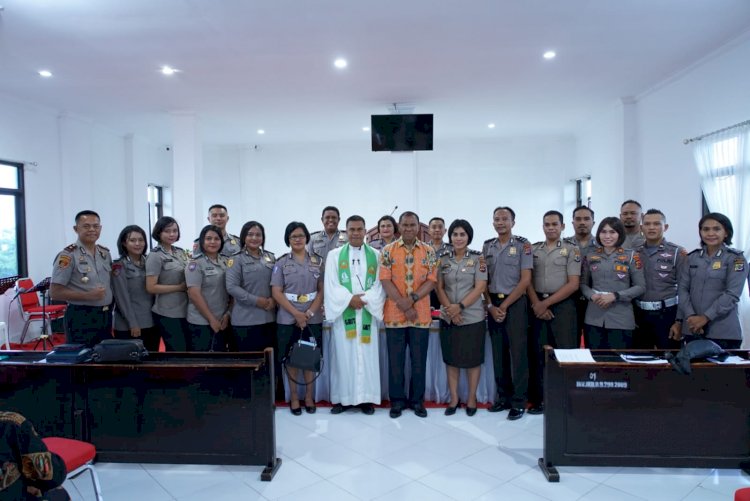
x=187, y=176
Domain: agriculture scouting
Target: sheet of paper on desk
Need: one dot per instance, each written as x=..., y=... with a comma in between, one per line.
x=574, y=356
x=643, y=359
x=730, y=360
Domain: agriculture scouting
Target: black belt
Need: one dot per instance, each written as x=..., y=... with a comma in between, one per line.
x=88, y=308
x=496, y=298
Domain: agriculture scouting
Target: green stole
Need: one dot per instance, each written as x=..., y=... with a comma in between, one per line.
x=345, y=279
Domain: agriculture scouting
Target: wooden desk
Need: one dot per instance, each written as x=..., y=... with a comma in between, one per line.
x=204, y=408
x=613, y=413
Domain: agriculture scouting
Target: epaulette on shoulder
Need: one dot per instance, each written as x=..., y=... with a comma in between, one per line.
x=490, y=240
x=570, y=240
x=445, y=252
x=70, y=248
x=521, y=239
x=473, y=252
x=269, y=253
x=235, y=253
x=102, y=247
x=694, y=251
x=316, y=258
x=538, y=243
x=315, y=233
x=734, y=251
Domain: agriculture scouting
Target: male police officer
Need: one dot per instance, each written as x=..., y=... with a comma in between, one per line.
x=656, y=309
x=219, y=216
x=630, y=215
x=555, y=279
x=583, y=221
x=330, y=238
x=81, y=276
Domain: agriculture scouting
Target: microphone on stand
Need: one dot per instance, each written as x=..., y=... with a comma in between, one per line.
x=39, y=287
x=394, y=210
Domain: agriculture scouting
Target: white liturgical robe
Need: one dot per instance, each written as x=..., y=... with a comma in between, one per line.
x=354, y=365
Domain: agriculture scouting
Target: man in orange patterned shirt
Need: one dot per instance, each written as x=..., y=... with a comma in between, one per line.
x=408, y=272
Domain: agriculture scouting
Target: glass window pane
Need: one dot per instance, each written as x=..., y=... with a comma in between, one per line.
x=8, y=246
x=8, y=176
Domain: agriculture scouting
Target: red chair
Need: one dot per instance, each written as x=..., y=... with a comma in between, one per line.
x=78, y=457
x=31, y=311
x=742, y=494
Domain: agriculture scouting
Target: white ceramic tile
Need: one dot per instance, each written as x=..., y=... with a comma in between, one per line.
x=369, y=480
x=452, y=444
x=414, y=491
x=291, y=477
x=701, y=494
x=510, y=492
x=650, y=483
x=72, y=491
x=598, y=474
x=340, y=428
x=139, y=487
x=231, y=490
x=601, y=492
x=726, y=481
x=375, y=443
x=460, y=481
x=412, y=429
x=569, y=487
x=332, y=460
x=496, y=462
x=415, y=462
x=183, y=479
x=322, y=491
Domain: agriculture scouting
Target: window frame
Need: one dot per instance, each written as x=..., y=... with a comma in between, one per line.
x=20, y=209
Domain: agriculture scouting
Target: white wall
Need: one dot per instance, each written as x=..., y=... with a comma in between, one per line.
x=466, y=179
x=79, y=165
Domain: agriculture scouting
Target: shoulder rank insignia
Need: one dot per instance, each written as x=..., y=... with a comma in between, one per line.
x=739, y=264
x=192, y=266
x=116, y=269
x=637, y=261
x=63, y=261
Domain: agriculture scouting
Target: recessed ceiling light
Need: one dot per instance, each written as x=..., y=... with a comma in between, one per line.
x=168, y=70
x=490, y=126
x=45, y=73
x=550, y=54
x=261, y=131
x=340, y=63
x=366, y=129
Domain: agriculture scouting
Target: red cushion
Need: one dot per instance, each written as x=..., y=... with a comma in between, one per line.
x=54, y=308
x=74, y=452
x=742, y=494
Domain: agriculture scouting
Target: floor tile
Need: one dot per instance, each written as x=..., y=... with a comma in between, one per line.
x=376, y=443
x=415, y=462
x=598, y=474
x=452, y=444
x=460, y=481
x=231, y=490
x=322, y=491
x=569, y=487
x=414, y=491
x=291, y=477
x=496, y=462
x=601, y=492
x=332, y=460
x=413, y=429
x=726, y=481
x=702, y=494
x=369, y=480
x=180, y=480
x=117, y=480
x=510, y=492
x=650, y=483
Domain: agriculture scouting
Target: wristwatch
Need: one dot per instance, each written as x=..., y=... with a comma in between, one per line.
x=414, y=296
x=617, y=296
x=461, y=305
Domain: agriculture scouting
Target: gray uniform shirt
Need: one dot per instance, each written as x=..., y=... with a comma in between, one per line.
x=661, y=267
x=231, y=246
x=505, y=262
x=208, y=277
x=621, y=272
x=298, y=278
x=553, y=265
x=132, y=303
x=80, y=271
x=459, y=279
x=585, y=250
x=634, y=240
x=712, y=286
x=248, y=278
x=320, y=244
x=169, y=268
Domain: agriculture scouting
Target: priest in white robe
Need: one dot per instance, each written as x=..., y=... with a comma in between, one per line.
x=354, y=302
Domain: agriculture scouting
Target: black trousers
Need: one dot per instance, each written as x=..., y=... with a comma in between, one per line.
x=87, y=325
x=397, y=339
x=150, y=337
x=203, y=338
x=602, y=338
x=255, y=337
x=560, y=332
x=653, y=329
x=174, y=332
x=510, y=354
x=581, y=304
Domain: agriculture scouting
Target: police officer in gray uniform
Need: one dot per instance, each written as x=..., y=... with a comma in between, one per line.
x=710, y=285
x=297, y=287
x=248, y=279
x=555, y=280
x=611, y=277
x=165, y=278
x=331, y=237
x=656, y=309
x=81, y=277
x=219, y=216
x=583, y=221
x=630, y=215
x=209, y=304
x=132, y=316
x=509, y=264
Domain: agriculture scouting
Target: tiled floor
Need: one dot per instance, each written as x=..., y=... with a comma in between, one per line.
x=352, y=457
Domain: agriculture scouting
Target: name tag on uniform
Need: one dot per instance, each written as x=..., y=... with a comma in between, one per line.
x=563, y=252
x=716, y=265
x=512, y=251
x=470, y=262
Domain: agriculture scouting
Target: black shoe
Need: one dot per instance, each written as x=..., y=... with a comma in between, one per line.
x=367, y=409
x=395, y=412
x=515, y=414
x=419, y=410
x=499, y=406
x=451, y=410
x=295, y=412
x=536, y=409
x=337, y=409
x=470, y=411
x=310, y=409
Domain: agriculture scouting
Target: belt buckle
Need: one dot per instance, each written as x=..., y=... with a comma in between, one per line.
x=302, y=298
x=545, y=295
x=105, y=308
x=500, y=295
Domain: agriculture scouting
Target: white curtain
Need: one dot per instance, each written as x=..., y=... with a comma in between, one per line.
x=723, y=160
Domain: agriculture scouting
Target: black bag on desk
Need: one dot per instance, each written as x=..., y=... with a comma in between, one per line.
x=120, y=350
x=69, y=354
x=699, y=348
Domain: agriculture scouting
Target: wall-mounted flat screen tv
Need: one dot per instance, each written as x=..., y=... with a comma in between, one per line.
x=401, y=132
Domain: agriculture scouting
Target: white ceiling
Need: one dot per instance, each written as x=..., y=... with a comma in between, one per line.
x=250, y=64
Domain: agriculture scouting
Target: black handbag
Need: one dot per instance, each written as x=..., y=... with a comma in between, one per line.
x=120, y=350
x=69, y=354
x=306, y=355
